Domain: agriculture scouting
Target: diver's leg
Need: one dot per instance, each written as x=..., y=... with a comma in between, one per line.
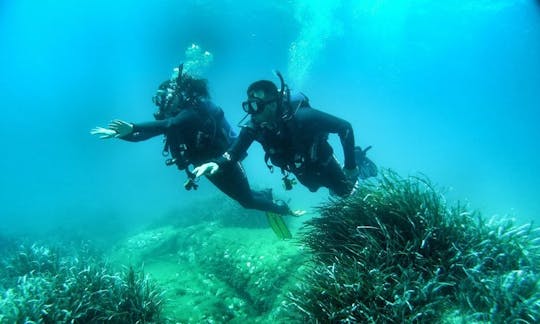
x=232, y=180
x=333, y=177
x=309, y=178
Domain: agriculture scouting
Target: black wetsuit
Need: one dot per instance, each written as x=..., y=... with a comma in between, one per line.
x=200, y=134
x=299, y=145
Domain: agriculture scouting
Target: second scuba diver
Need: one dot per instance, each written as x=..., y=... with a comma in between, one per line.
x=196, y=132
x=294, y=137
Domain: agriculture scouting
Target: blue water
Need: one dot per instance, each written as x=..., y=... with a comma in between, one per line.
x=450, y=90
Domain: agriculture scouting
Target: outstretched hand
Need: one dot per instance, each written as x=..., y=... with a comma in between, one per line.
x=208, y=168
x=117, y=128
x=121, y=127
x=103, y=133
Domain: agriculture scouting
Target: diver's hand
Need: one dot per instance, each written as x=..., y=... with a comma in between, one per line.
x=117, y=128
x=298, y=213
x=103, y=133
x=121, y=127
x=206, y=168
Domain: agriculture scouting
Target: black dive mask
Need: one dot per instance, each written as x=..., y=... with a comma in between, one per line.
x=256, y=105
x=160, y=98
x=168, y=103
x=163, y=97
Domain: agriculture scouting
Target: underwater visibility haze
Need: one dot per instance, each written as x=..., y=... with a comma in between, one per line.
x=444, y=89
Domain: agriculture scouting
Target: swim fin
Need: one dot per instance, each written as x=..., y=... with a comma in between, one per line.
x=278, y=225
x=366, y=167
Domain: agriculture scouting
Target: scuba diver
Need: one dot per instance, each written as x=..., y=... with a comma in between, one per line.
x=196, y=132
x=294, y=137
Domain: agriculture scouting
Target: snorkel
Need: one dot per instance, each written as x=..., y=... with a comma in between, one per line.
x=176, y=78
x=285, y=101
x=284, y=92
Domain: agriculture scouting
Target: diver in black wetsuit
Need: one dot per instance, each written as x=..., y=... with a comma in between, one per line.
x=196, y=131
x=294, y=138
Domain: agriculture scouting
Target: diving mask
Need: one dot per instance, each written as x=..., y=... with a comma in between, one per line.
x=163, y=97
x=256, y=105
x=168, y=101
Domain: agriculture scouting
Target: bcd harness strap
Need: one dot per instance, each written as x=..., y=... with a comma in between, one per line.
x=191, y=182
x=288, y=182
x=179, y=156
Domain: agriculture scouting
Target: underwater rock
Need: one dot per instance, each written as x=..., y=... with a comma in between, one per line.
x=216, y=274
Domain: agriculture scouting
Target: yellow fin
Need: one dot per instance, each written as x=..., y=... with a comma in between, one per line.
x=278, y=225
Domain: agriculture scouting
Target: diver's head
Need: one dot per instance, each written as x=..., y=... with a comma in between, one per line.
x=263, y=101
x=269, y=89
x=174, y=95
x=166, y=100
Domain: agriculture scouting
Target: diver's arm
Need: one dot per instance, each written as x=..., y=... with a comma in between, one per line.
x=237, y=150
x=318, y=121
x=131, y=132
x=143, y=131
x=239, y=147
x=118, y=129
